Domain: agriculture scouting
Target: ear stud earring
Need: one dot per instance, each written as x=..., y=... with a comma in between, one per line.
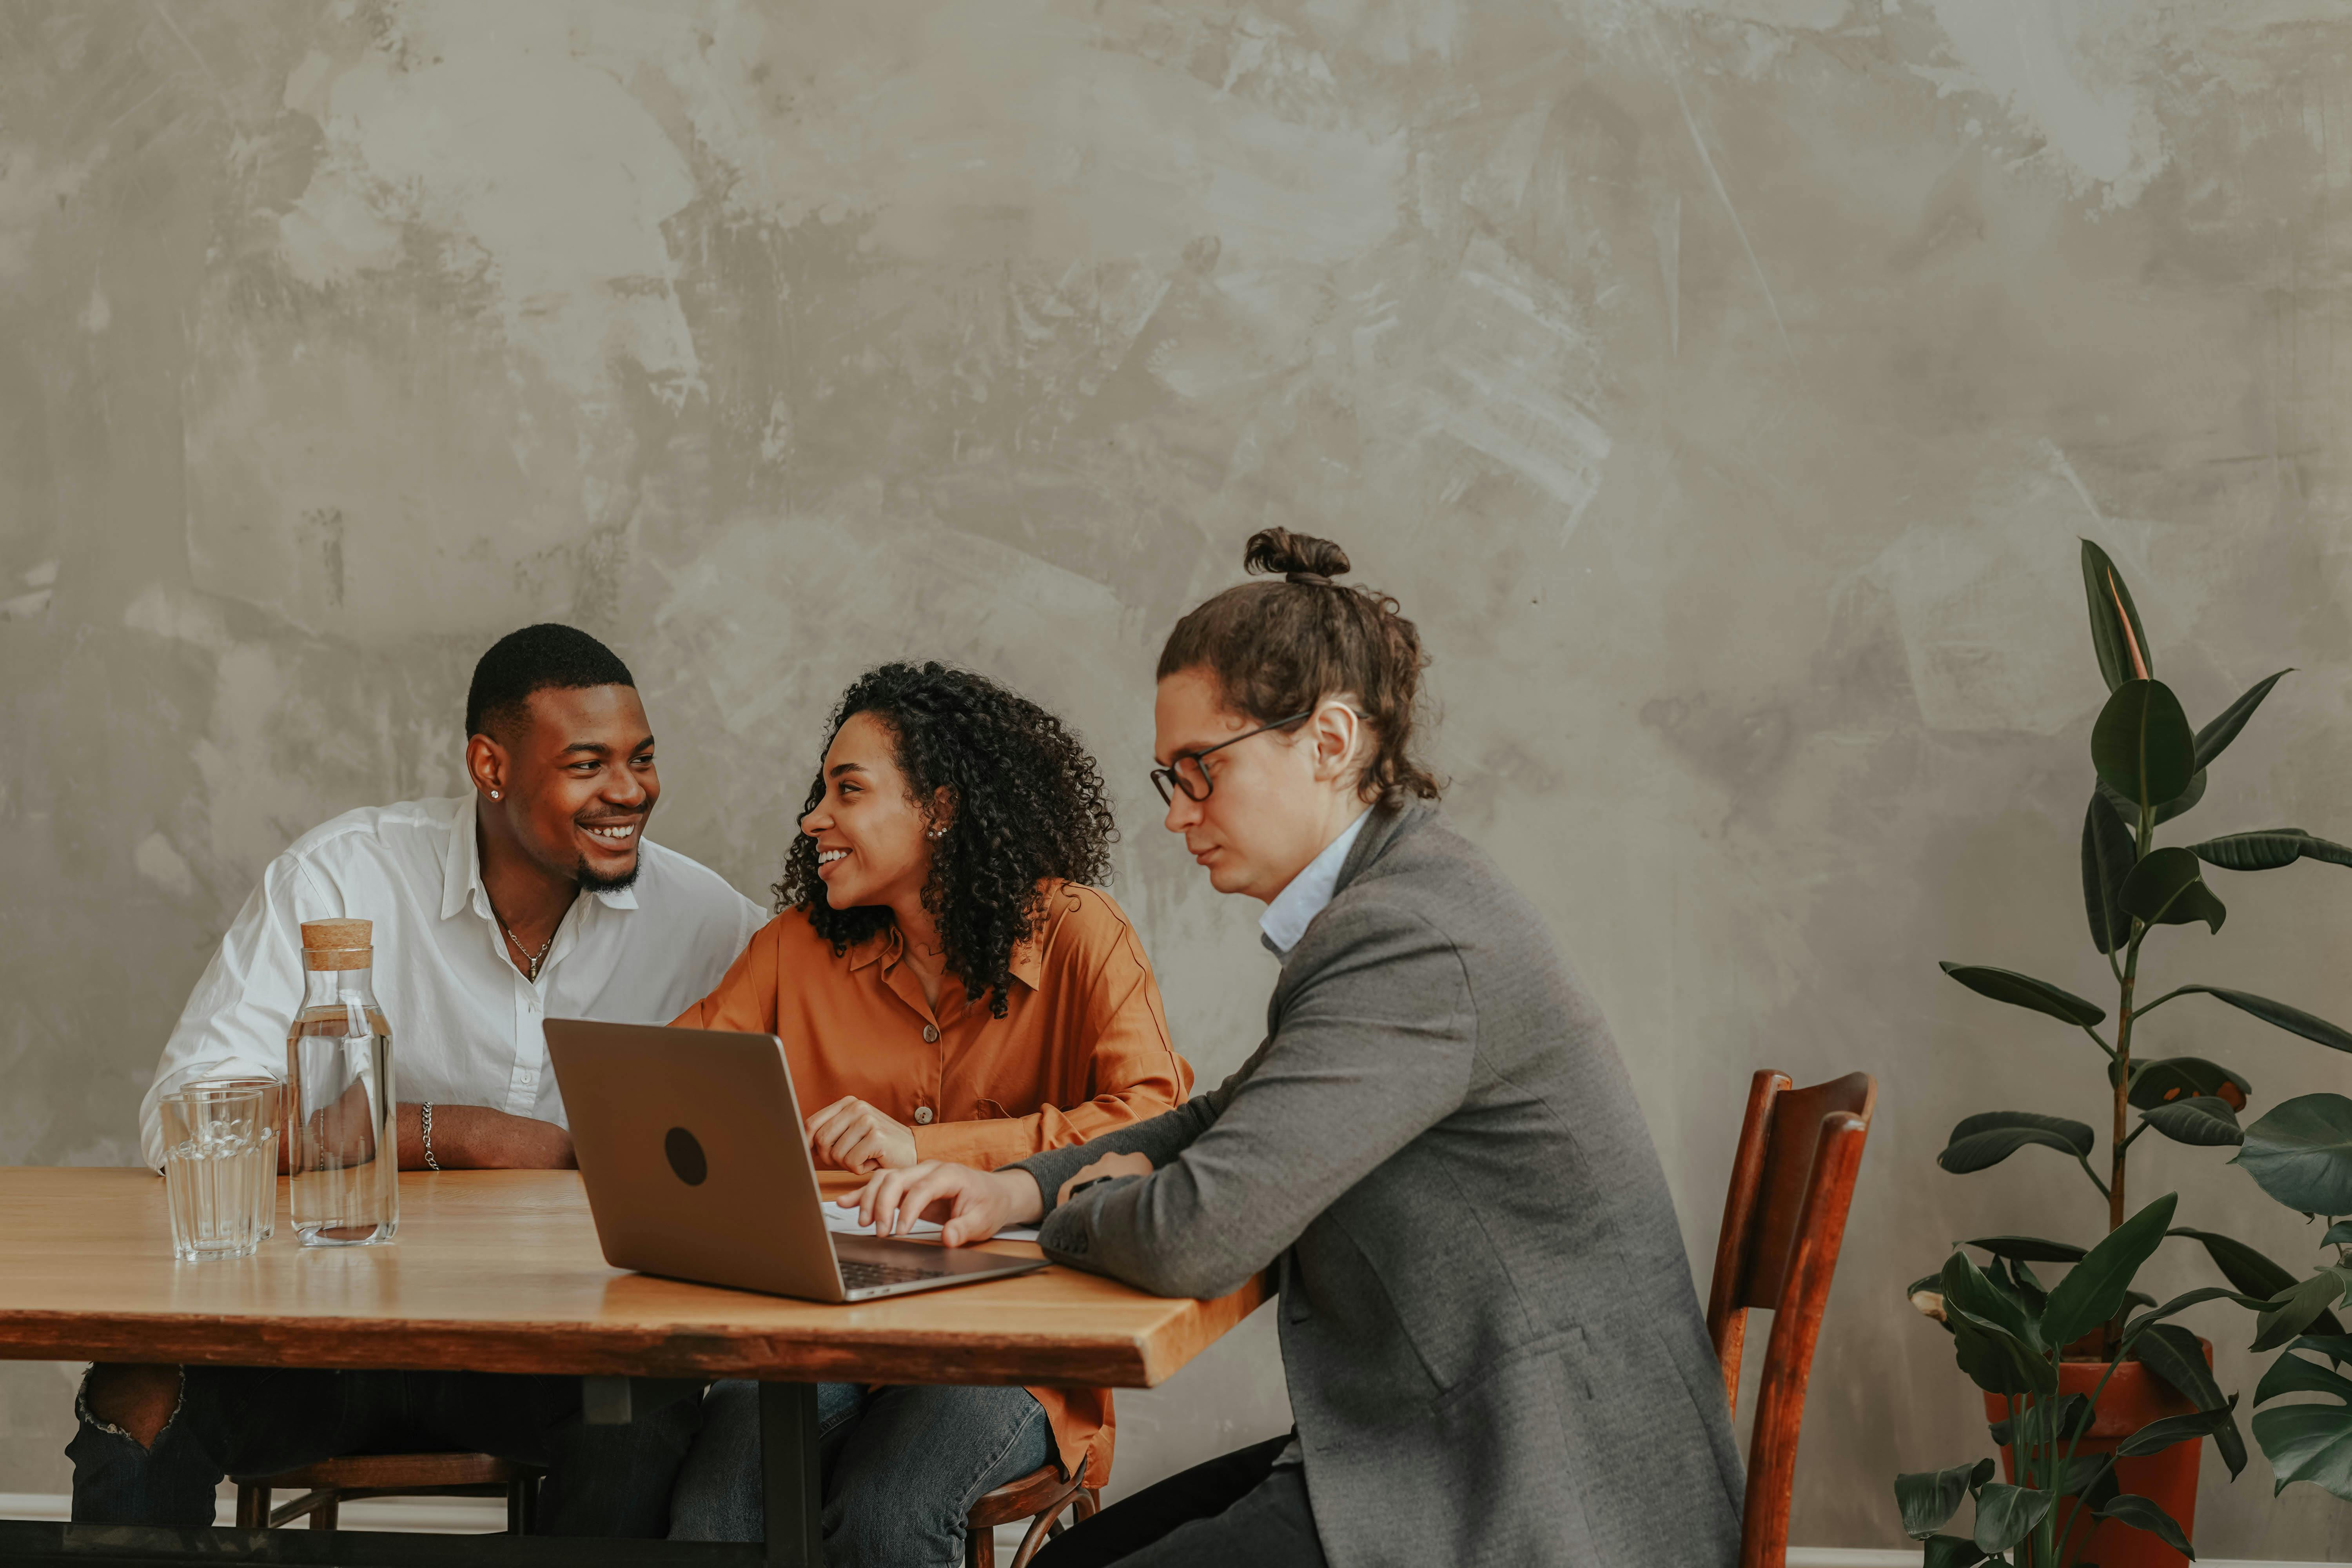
x=494, y=794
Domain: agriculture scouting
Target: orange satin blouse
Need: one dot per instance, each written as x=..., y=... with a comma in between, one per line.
x=1083, y=1048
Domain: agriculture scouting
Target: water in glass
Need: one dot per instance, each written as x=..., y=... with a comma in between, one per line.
x=212, y=1156
x=273, y=1118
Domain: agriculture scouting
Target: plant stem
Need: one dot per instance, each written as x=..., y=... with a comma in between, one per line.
x=2119, y=1142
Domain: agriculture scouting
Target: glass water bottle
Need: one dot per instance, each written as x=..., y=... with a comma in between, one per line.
x=343, y=1144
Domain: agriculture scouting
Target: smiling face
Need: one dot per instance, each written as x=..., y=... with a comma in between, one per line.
x=575, y=780
x=1274, y=799
x=872, y=843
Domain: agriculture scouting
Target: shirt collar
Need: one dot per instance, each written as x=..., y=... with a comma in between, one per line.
x=1295, y=908
x=461, y=868
x=885, y=946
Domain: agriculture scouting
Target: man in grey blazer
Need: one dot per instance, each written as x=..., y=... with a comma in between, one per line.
x=1493, y=1352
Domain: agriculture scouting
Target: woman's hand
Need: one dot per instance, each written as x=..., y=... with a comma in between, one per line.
x=855, y=1136
x=971, y=1206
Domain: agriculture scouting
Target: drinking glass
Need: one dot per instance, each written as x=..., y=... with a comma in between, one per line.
x=212, y=1147
x=273, y=1119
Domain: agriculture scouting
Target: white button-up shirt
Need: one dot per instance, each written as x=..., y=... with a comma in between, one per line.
x=1293, y=909
x=466, y=1025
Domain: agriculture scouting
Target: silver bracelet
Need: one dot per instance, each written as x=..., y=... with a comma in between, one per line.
x=425, y=1131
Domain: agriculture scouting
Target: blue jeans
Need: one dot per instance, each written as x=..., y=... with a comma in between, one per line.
x=902, y=1465
x=258, y=1421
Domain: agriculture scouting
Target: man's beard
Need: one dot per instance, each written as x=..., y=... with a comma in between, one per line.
x=593, y=883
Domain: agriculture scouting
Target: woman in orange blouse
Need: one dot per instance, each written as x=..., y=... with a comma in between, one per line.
x=947, y=987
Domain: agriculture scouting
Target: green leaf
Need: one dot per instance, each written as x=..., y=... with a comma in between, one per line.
x=2268, y=850
x=1931, y=1496
x=1951, y=1551
x=2094, y=1292
x=2293, y=1020
x=2298, y=1307
x=2337, y=1348
x=2173, y=1356
x=2147, y=1320
x=2251, y=1272
x=2108, y=855
x=2007, y=1515
x=2215, y=738
x=2160, y=1435
x=2142, y=746
x=2115, y=620
x=2204, y=1119
x=2142, y=1514
x=2167, y=889
x=2308, y=1443
x=2024, y=990
x=2167, y=1078
x=2165, y=810
x=2094, y=1289
x=2339, y=1234
x=2300, y=1153
x=1990, y=1137
x=2292, y=1374
x=2029, y=1248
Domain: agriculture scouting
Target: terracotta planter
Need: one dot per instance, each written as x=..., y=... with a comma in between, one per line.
x=2133, y=1398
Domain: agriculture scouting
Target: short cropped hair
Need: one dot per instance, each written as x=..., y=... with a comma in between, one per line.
x=537, y=658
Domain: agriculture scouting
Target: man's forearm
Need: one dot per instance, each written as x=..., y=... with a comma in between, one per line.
x=475, y=1138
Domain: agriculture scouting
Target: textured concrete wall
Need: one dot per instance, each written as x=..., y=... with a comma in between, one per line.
x=1721, y=383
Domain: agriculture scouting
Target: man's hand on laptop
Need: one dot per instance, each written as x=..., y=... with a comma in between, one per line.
x=971, y=1206
x=853, y=1136
x=475, y=1138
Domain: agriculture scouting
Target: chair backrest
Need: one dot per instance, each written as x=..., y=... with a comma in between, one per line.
x=1791, y=1183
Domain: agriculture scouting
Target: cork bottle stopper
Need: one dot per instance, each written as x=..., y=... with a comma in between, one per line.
x=338, y=944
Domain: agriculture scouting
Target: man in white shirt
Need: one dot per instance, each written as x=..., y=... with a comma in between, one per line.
x=538, y=893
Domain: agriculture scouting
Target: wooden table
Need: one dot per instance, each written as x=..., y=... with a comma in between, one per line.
x=500, y=1272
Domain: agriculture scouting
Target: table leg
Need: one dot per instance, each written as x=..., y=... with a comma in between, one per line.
x=788, y=1462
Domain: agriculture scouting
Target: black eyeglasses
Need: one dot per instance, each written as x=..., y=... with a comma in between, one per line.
x=1187, y=773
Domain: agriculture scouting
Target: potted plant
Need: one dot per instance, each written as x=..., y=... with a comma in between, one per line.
x=2151, y=768
x=2065, y=1483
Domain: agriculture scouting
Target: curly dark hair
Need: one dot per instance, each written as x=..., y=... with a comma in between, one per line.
x=1027, y=807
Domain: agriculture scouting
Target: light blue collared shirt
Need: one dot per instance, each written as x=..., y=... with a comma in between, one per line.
x=1295, y=908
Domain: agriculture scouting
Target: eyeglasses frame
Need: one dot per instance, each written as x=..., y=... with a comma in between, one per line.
x=1162, y=778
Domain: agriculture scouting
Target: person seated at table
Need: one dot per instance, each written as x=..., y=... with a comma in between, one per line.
x=1494, y=1350
x=947, y=985
x=537, y=892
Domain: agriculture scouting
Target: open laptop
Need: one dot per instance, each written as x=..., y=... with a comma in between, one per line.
x=690, y=1145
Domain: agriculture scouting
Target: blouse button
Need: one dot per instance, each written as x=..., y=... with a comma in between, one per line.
x=930, y=1035
x=922, y=1116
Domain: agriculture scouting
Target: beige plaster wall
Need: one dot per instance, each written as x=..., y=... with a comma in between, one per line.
x=1722, y=384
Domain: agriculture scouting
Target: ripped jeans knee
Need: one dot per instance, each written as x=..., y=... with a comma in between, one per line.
x=131, y=1400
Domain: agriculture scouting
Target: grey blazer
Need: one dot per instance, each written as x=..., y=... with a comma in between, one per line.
x=1492, y=1349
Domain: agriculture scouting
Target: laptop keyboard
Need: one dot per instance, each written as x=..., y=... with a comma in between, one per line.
x=868, y=1275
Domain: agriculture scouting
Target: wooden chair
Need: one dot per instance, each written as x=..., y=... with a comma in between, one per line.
x=1791, y=1183
x=327, y=1484
x=1038, y=1497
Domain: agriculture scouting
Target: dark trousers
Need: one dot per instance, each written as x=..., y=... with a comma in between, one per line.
x=258, y=1421
x=1239, y=1510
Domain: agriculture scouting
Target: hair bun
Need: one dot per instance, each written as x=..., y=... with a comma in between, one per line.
x=1297, y=555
